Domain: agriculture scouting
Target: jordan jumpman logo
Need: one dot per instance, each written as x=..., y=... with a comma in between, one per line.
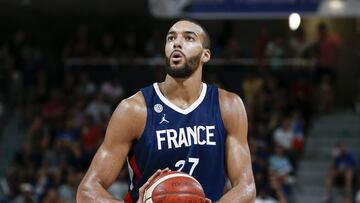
x=163, y=119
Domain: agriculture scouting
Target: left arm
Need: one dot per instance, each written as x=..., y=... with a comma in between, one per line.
x=237, y=153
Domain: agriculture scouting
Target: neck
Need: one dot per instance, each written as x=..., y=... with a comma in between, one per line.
x=184, y=91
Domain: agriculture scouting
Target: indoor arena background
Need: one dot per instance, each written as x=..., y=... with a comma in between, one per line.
x=65, y=65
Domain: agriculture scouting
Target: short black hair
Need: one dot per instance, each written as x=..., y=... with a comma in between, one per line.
x=206, y=42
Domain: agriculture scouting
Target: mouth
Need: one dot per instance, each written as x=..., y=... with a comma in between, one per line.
x=176, y=56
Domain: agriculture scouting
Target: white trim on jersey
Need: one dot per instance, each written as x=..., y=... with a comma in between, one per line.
x=176, y=108
x=131, y=174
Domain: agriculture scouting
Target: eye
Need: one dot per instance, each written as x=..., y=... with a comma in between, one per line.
x=170, y=38
x=189, y=38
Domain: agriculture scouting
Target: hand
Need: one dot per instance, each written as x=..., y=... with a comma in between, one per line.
x=147, y=184
x=208, y=200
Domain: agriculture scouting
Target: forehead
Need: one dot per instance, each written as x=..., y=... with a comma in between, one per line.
x=185, y=26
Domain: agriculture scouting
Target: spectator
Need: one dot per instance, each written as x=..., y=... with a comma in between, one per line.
x=232, y=49
x=52, y=197
x=251, y=85
x=341, y=172
x=67, y=131
x=67, y=190
x=107, y=48
x=99, y=109
x=274, y=194
x=90, y=134
x=113, y=91
x=261, y=43
x=328, y=46
x=298, y=140
x=80, y=45
x=281, y=170
x=86, y=86
x=259, y=157
x=54, y=109
x=27, y=158
x=275, y=51
x=264, y=196
x=26, y=195
x=76, y=112
x=42, y=183
x=284, y=134
x=299, y=44
x=120, y=187
x=280, y=166
x=301, y=94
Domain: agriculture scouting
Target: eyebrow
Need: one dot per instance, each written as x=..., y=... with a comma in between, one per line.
x=186, y=32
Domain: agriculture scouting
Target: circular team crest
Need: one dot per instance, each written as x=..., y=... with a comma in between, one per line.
x=158, y=108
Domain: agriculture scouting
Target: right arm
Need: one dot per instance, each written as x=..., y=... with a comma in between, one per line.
x=126, y=125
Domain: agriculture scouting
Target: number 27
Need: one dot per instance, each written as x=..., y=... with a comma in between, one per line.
x=181, y=163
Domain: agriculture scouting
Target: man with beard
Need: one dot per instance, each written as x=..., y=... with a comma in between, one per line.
x=179, y=124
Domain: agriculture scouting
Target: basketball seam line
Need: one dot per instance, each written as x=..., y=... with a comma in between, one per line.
x=171, y=193
x=157, y=182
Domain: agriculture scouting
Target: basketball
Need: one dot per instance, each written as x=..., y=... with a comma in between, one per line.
x=174, y=187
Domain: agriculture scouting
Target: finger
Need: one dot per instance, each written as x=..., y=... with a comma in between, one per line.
x=147, y=183
x=208, y=200
x=153, y=177
x=158, y=173
x=142, y=191
x=165, y=170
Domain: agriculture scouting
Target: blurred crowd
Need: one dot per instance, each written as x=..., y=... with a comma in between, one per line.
x=65, y=112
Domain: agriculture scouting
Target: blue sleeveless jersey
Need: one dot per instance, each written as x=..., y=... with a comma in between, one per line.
x=190, y=140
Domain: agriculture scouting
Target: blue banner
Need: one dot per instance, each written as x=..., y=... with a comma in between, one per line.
x=234, y=6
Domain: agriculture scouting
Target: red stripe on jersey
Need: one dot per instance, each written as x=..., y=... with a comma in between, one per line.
x=128, y=198
x=134, y=166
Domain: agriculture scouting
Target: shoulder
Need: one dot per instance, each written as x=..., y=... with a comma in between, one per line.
x=232, y=108
x=227, y=98
x=229, y=102
x=133, y=104
x=130, y=114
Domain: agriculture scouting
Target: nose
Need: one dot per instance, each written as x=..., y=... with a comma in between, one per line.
x=177, y=43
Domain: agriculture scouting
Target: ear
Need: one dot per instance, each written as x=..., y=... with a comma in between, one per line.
x=206, y=55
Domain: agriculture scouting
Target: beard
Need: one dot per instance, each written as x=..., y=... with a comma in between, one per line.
x=186, y=70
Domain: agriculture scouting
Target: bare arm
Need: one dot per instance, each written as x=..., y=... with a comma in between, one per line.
x=126, y=125
x=237, y=153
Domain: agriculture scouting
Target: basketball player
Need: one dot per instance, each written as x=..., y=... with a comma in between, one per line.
x=182, y=124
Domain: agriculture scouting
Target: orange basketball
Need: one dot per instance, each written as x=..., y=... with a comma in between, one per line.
x=174, y=187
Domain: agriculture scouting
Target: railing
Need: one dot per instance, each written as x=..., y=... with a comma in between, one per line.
x=155, y=61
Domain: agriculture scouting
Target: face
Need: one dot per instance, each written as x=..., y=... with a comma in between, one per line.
x=184, y=50
x=286, y=124
x=342, y=148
